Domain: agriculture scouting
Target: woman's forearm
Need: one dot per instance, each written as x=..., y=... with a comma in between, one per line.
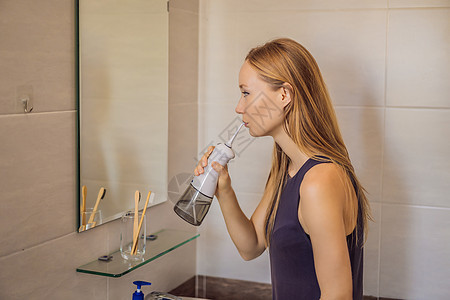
x=240, y=228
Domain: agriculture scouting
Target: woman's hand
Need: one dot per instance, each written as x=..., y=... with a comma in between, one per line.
x=224, y=180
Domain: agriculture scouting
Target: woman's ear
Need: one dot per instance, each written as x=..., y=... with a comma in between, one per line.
x=286, y=94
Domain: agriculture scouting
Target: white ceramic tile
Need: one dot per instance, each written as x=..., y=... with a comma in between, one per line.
x=290, y=5
x=372, y=253
x=351, y=58
x=418, y=65
x=47, y=271
x=215, y=121
x=349, y=47
x=362, y=130
x=37, y=178
x=219, y=61
x=37, y=51
x=414, y=252
x=418, y=3
x=416, y=164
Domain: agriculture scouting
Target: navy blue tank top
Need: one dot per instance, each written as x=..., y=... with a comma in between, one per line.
x=291, y=255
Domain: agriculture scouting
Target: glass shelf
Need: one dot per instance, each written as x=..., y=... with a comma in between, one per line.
x=167, y=240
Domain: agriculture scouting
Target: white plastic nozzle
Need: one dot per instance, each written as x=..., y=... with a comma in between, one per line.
x=230, y=142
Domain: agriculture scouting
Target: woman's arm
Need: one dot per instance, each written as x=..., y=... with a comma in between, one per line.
x=321, y=213
x=246, y=234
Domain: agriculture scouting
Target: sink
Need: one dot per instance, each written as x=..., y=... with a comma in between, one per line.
x=164, y=296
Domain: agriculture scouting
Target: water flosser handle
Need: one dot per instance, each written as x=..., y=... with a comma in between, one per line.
x=206, y=183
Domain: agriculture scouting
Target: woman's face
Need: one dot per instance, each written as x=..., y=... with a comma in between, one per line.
x=260, y=105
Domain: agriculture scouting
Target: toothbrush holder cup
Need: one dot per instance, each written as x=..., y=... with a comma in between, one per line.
x=128, y=232
x=86, y=217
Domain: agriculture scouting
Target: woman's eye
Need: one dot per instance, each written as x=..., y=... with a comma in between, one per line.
x=245, y=94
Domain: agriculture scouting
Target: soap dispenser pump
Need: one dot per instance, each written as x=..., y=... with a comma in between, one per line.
x=138, y=294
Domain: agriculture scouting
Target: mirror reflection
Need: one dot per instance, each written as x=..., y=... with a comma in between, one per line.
x=123, y=106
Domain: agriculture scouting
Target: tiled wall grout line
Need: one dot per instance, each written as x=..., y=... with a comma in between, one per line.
x=383, y=150
x=322, y=10
x=418, y=107
x=107, y=287
x=36, y=113
x=419, y=8
x=393, y=107
x=41, y=244
x=415, y=205
x=359, y=106
x=311, y=10
x=379, y=252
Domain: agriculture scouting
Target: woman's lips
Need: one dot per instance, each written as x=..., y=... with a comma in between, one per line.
x=246, y=124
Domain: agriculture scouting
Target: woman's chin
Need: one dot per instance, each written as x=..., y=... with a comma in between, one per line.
x=256, y=134
x=253, y=134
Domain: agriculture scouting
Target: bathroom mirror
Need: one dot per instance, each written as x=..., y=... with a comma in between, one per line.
x=123, y=104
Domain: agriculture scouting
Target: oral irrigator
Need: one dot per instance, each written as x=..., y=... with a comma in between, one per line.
x=194, y=204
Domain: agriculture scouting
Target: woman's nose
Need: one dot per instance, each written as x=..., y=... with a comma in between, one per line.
x=239, y=107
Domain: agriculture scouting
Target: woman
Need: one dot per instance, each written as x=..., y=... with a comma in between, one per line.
x=313, y=213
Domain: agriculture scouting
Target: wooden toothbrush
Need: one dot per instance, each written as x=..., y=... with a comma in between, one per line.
x=137, y=198
x=136, y=238
x=83, y=207
x=101, y=195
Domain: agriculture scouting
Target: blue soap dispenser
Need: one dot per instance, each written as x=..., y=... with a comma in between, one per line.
x=138, y=294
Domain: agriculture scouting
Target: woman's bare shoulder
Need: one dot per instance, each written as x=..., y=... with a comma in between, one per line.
x=325, y=176
x=322, y=198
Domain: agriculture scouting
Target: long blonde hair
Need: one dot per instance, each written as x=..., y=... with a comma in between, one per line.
x=310, y=121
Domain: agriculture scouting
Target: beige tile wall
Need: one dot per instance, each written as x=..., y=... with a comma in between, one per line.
x=37, y=49
x=40, y=246
x=386, y=64
x=387, y=70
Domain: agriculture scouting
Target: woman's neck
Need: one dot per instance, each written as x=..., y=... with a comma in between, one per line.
x=296, y=156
